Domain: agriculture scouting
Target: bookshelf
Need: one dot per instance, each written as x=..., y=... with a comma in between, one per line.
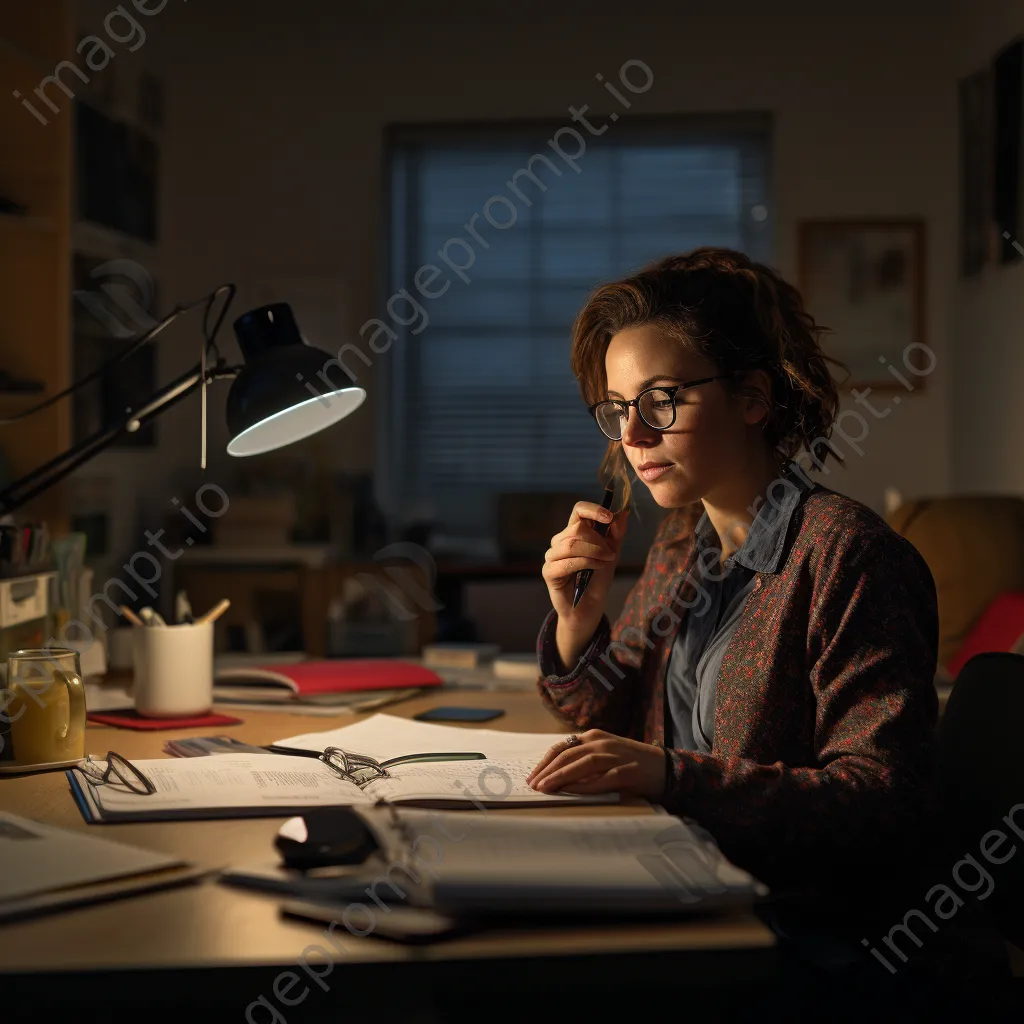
x=36, y=171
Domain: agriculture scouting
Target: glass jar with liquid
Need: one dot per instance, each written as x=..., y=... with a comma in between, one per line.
x=42, y=709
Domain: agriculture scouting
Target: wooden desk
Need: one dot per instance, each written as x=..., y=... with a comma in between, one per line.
x=208, y=945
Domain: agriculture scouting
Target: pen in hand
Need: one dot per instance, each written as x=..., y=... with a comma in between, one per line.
x=583, y=576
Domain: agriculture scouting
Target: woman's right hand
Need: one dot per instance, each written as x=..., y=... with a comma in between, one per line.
x=580, y=546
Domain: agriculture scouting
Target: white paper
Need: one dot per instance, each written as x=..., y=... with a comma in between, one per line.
x=229, y=781
x=384, y=736
x=548, y=837
x=487, y=781
x=37, y=858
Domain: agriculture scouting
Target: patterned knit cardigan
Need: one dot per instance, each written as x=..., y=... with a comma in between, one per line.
x=826, y=707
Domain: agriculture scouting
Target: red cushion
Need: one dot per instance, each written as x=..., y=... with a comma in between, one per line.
x=999, y=628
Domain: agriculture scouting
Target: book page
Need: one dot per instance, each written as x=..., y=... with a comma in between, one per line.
x=229, y=781
x=490, y=782
x=553, y=838
x=384, y=736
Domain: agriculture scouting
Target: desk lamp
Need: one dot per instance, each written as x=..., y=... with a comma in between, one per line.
x=272, y=401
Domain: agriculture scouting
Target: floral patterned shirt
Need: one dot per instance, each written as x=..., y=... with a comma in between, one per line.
x=823, y=747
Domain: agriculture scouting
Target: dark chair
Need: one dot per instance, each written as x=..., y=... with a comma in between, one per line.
x=981, y=766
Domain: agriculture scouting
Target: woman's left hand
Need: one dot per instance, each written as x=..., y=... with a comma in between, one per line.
x=601, y=763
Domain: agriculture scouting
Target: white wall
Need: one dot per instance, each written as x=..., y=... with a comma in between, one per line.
x=988, y=403
x=272, y=163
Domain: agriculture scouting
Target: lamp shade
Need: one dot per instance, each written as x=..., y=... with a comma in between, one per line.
x=271, y=403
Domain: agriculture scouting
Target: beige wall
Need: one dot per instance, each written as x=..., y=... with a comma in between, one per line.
x=988, y=400
x=272, y=162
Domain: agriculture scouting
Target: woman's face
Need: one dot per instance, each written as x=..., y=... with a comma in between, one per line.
x=710, y=441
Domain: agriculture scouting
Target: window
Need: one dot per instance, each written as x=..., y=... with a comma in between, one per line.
x=480, y=396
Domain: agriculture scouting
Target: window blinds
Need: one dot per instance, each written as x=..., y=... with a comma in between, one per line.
x=480, y=398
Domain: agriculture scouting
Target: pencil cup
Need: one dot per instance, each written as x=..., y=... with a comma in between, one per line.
x=173, y=669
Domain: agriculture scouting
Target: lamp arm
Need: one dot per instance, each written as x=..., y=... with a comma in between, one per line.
x=173, y=393
x=52, y=472
x=141, y=340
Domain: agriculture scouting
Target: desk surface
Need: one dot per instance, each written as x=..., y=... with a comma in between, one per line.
x=211, y=925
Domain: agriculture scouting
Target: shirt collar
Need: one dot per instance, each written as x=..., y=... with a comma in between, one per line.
x=763, y=549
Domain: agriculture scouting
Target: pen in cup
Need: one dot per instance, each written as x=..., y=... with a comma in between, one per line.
x=214, y=613
x=130, y=615
x=148, y=617
x=583, y=576
x=183, y=609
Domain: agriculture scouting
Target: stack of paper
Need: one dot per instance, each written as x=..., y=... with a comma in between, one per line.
x=458, y=655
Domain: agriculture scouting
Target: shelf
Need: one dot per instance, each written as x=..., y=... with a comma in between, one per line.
x=36, y=171
x=214, y=555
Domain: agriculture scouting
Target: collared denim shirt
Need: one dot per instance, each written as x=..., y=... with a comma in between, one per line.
x=697, y=653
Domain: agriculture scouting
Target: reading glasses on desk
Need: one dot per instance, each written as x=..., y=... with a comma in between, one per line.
x=361, y=768
x=117, y=770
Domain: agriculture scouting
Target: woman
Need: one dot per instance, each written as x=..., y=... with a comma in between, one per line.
x=771, y=673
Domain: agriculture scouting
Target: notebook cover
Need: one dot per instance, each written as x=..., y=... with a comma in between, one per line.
x=342, y=675
x=133, y=720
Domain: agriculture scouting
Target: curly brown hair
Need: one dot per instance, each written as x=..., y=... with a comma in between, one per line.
x=739, y=314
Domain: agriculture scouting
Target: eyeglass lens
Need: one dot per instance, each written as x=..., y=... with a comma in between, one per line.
x=101, y=770
x=357, y=767
x=656, y=407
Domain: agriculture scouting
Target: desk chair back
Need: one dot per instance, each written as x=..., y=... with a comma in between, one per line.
x=981, y=765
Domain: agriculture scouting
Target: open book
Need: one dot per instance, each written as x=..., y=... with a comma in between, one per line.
x=267, y=785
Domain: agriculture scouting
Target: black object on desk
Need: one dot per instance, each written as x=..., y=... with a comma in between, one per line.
x=583, y=576
x=458, y=714
x=333, y=835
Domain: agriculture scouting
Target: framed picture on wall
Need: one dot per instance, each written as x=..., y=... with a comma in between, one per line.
x=864, y=280
x=1008, y=172
x=978, y=243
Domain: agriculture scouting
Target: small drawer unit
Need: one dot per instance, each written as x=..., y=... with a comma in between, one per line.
x=24, y=612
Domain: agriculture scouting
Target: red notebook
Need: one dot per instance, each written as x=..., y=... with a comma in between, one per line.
x=321, y=682
x=130, y=719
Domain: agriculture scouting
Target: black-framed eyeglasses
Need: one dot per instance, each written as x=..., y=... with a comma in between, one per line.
x=357, y=768
x=656, y=407
x=116, y=770
x=363, y=769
